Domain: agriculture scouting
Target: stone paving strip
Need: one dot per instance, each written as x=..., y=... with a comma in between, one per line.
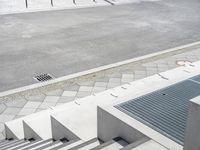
x=30, y=101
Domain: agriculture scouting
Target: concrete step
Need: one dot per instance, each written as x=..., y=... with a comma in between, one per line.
x=116, y=143
x=31, y=143
x=81, y=117
x=51, y=145
x=14, y=129
x=9, y=143
x=150, y=145
x=36, y=130
x=87, y=144
x=37, y=145
x=15, y=146
x=67, y=145
x=135, y=144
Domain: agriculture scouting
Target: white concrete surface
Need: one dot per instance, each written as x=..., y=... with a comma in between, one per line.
x=150, y=145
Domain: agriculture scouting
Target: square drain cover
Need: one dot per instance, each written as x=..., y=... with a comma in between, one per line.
x=43, y=77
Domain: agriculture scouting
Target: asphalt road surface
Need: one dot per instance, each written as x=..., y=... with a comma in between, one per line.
x=70, y=41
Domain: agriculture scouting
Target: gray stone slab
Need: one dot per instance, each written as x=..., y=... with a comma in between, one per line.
x=32, y=104
x=65, y=99
x=101, y=84
x=27, y=111
x=72, y=87
x=86, y=88
x=11, y=111
x=47, y=105
x=81, y=94
x=2, y=127
x=36, y=97
x=16, y=103
x=2, y=108
x=51, y=99
x=56, y=92
x=6, y=117
x=69, y=93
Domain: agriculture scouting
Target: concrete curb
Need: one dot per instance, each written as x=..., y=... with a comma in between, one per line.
x=53, y=9
x=83, y=73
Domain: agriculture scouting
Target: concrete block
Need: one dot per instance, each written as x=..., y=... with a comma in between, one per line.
x=59, y=131
x=192, y=133
x=109, y=127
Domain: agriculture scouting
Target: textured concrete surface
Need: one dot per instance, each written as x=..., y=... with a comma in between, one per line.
x=28, y=102
x=70, y=41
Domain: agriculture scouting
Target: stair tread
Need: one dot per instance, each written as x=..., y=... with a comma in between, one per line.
x=150, y=145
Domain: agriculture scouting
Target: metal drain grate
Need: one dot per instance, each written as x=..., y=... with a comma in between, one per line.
x=43, y=77
x=164, y=110
x=196, y=78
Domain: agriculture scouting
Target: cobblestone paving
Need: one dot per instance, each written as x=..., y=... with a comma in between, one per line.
x=25, y=103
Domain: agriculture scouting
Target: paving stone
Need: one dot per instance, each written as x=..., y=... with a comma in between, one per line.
x=86, y=83
x=46, y=105
x=51, y=99
x=5, y=117
x=124, y=76
x=38, y=110
x=2, y=136
x=98, y=89
x=81, y=94
x=140, y=72
x=112, y=85
x=40, y=97
x=115, y=80
x=102, y=79
x=19, y=116
x=2, y=127
x=140, y=76
x=31, y=104
x=57, y=92
x=72, y=87
x=59, y=104
x=2, y=108
x=101, y=84
x=12, y=110
x=16, y=103
x=86, y=88
x=27, y=111
x=126, y=80
x=69, y=93
x=65, y=99
x=115, y=75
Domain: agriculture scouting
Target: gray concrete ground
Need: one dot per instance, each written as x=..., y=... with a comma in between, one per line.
x=70, y=41
x=28, y=102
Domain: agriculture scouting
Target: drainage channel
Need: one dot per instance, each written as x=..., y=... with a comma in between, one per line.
x=165, y=110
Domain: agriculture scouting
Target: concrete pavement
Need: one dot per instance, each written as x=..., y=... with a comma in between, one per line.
x=70, y=41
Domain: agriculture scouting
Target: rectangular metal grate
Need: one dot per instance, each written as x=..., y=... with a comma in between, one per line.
x=196, y=78
x=164, y=110
x=43, y=77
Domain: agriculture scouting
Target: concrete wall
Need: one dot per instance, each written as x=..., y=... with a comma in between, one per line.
x=109, y=127
x=192, y=135
x=59, y=131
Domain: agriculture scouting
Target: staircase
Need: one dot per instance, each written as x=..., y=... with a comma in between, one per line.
x=69, y=126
